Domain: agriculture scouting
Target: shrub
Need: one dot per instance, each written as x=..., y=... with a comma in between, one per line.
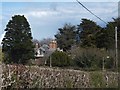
x=60, y=59
x=96, y=79
x=91, y=58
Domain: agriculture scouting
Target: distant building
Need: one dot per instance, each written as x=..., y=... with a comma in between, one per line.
x=53, y=45
x=44, y=50
x=40, y=50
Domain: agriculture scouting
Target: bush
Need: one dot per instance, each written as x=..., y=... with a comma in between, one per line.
x=96, y=79
x=60, y=59
x=91, y=58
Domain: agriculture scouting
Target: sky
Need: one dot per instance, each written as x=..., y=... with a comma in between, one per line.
x=45, y=17
x=59, y=0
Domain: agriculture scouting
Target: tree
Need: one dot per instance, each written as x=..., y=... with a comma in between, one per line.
x=88, y=34
x=66, y=37
x=83, y=58
x=102, y=40
x=35, y=41
x=110, y=33
x=111, y=36
x=106, y=37
x=60, y=59
x=1, y=55
x=45, y=41
x=17, y=43
x=115, y=23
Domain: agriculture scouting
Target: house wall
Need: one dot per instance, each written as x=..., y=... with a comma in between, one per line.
x=53, y=44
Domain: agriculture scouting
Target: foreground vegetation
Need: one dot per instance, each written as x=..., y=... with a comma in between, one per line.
x=82, y=58
x=21, y=76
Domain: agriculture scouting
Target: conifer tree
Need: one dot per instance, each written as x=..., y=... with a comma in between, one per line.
x=17, y=43
x=66, y=37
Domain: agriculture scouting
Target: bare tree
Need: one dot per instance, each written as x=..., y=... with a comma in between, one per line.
x=45, y=41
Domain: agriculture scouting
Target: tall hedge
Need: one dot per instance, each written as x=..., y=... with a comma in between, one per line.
x=60, y=59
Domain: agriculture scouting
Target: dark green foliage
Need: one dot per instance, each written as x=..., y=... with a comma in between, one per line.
x=60, y=59
x=66, y=37
x=102, y=39
x=17, y=43
x=93, y=35
x=88, y=34
x=116, y=22
x=106, y=37
x=110, y=36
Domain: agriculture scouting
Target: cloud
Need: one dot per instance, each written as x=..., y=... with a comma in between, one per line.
x=42, y=13
x=46, y=18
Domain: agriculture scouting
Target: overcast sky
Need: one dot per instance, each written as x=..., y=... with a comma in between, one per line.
x=46, y=17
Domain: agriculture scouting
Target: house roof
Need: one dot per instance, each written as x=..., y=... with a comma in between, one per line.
x=41, y=48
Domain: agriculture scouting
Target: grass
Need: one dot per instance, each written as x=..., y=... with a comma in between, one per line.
x=96, y=79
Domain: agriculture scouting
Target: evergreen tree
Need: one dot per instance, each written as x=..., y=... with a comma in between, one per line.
x=17, y=43
x=66, y=37
x=106, y=37
x=88, y=34
x=102, y=39
x=109, y=38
